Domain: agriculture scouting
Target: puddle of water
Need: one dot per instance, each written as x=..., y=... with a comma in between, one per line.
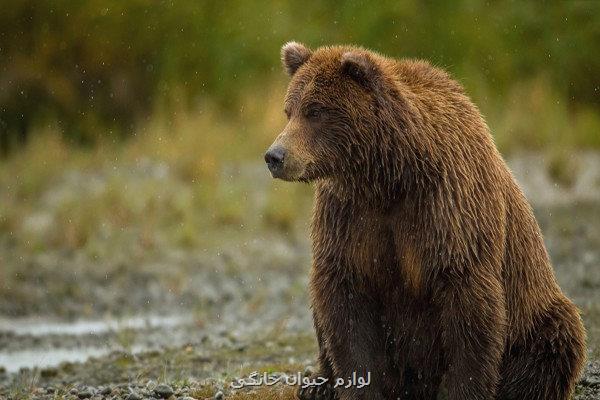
x=47, y=358
x=14, y=361
x=43, y=327
x=44, y=357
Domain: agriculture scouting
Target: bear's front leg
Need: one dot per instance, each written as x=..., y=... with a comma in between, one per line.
x=474, y=332
x=352, y=337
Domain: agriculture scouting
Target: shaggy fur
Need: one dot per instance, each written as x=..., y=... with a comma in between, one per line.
x=428, y=263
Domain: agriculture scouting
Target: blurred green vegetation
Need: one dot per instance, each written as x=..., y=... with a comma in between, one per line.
x=98, y=68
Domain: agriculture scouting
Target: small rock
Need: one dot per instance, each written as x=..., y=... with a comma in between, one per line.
x=219, y=395
x=240, y=347
x=85, y=393
x=133, y=396
x=590, y=381
x=74, y=391
x=106, y=391
x=186, y=398
x=309, y=370
x=163, y=391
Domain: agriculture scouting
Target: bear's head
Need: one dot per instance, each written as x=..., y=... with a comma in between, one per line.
x=339, y=116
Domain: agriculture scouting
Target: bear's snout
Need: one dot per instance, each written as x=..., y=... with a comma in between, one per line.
x=274, y=158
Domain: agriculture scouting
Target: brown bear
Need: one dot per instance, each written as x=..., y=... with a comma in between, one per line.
x=428, y=263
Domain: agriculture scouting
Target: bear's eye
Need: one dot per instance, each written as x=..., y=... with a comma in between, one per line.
x=287, y=112
x=314, y=113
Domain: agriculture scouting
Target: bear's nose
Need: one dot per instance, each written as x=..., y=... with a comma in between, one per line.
x=274, y=158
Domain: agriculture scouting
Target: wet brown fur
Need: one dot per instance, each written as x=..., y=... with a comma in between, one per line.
x=428, y=263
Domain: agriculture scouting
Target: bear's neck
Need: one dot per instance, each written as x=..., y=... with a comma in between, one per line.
x=375, y=191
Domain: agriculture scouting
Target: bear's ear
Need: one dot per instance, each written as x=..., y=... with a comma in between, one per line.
x=293, y=55
x=361, y=68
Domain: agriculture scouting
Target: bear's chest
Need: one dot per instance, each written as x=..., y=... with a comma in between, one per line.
x=369, y=245
x=375, y=246
x=360, y=241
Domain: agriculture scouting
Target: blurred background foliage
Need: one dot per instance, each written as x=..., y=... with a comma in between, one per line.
x=98, y=68
x=147, y=119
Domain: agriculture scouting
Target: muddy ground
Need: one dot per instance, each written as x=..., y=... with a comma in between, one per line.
x=187, y=322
